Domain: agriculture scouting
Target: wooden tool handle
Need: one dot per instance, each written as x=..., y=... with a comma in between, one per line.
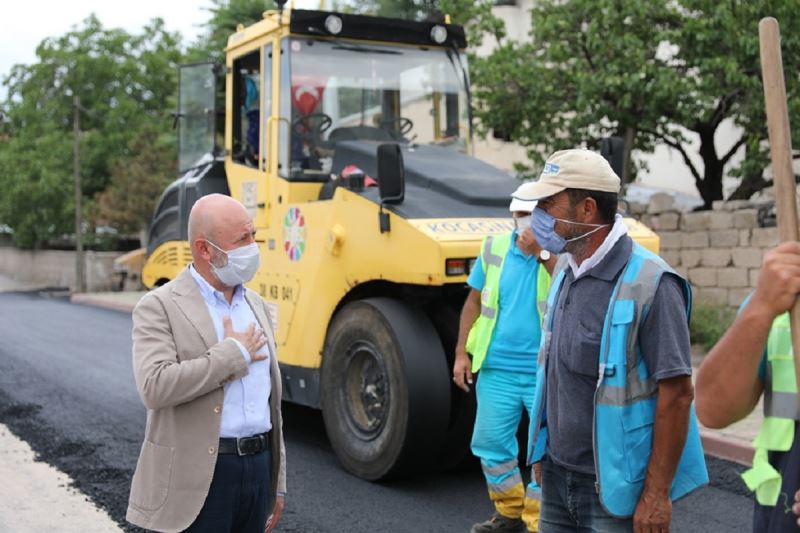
x=780, y=143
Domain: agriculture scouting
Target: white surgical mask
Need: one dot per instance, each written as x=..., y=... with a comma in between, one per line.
x=521, y=223
x=240, y=267
x=543, y=225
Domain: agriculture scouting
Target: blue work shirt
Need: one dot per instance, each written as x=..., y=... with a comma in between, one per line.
x=515, y=340
x=245, y=408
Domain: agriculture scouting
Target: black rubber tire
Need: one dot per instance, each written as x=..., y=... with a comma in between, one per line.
x=385, y=388
x=455, y=453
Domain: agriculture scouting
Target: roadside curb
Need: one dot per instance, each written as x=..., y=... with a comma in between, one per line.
x=723, y=447
x=98, y=301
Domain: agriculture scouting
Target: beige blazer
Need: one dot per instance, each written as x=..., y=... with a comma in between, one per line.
x=180, y=368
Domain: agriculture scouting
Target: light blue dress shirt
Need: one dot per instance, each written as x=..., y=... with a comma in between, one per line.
x=245, y=409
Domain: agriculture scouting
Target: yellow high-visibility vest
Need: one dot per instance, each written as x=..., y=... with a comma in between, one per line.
x=780, y=414
x=493, y=254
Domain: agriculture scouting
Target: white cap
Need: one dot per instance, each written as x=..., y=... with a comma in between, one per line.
x=518, y=204
x=571, y=169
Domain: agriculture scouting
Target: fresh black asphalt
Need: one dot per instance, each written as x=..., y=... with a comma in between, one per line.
x=66, y=387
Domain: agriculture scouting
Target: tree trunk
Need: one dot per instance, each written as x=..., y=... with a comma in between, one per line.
x=752, y=182
x=630, y=137
x=749, y=185
x=710, y=187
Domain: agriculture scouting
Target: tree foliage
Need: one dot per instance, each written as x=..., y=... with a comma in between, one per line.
x=719, y=41
x=126, y=84
x=226, y=15
x=137, y=182
x=654, y=73
x=402, y=9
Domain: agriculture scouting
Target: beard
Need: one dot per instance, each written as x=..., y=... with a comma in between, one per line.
x=577, y=247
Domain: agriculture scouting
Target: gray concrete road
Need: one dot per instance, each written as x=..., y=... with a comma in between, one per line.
x=66, y=388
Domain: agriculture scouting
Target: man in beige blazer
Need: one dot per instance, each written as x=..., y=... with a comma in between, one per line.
x=205, y=364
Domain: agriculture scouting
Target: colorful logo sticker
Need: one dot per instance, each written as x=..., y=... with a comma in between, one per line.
x=294, y=234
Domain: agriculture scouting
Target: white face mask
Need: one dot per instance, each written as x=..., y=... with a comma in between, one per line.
x=240, y=267
x=520, y=223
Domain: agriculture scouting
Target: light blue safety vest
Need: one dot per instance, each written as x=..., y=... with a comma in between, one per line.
x=626, y=395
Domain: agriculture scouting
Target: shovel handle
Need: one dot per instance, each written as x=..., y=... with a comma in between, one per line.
x=780, y=145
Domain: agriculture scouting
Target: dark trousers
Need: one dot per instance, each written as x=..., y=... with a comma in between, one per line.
x=570, y=504
x=238, y=497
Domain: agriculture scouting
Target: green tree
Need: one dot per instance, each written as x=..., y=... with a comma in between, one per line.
x=719, y=41
x=226, y=15
x=650, y=72
x=126, y=83
x=138, y=181
x=401, y=9
x=478, y=20
x=575, y=83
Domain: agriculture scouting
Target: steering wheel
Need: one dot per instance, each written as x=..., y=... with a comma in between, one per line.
x=404, y=124
x=325, y=122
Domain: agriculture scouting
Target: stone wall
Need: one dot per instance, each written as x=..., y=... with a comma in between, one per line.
x=56, y=268
x=719, y=251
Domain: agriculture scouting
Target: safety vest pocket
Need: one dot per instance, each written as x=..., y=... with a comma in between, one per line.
x=621, y=321
x=637, y=440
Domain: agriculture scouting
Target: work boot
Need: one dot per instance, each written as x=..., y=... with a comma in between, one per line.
x=500, y=524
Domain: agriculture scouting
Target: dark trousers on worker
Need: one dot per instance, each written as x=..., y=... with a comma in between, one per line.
x=239, y=494
x=570, y=503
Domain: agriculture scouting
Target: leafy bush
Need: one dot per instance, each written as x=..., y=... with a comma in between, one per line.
x=709, y=323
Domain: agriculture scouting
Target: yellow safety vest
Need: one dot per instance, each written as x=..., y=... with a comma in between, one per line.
x=493, y=254
x=780, y=413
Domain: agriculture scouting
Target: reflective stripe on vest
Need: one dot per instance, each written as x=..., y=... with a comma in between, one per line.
x=780, y=413
x=492, y=266
x=629, y=301
x=626, y=394
x=493, y=253
x=781, y=405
